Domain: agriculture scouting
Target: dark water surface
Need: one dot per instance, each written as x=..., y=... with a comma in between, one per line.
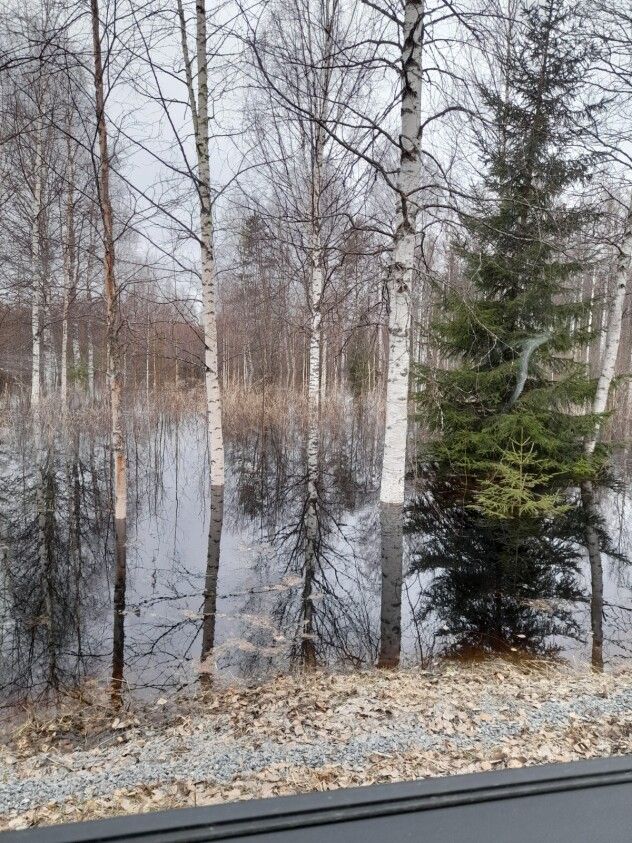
x=56, y=567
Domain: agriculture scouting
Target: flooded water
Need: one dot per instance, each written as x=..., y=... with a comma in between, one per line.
x=57, y=569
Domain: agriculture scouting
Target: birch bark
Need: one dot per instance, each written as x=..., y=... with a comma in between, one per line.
x=90, y=344
x=199, y=106
x=399, y=286
x=315, y=382
x=200, y=118
x=613, y=329
x=113, y=329
x=600, y=401
x=49, y=358
x=36, y=303
x=317, y=281
x=69, y=272
x=88, y=320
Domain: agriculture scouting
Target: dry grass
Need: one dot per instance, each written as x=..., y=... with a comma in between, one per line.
x=243, y=409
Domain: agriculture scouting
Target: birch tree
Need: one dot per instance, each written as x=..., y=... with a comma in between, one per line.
x=70, y=286
x=37, y=315
x=33, y=105
x=612, y=27
x=199, y=107
x=170, y=54
x=604, y=382
x=316, y=282
x=401, y=279
x=307, y=81
x=114, y=357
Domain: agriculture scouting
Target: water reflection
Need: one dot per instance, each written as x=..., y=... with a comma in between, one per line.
x=209, y=608
x=55, y=538
x=496, y=585
x=216, y=586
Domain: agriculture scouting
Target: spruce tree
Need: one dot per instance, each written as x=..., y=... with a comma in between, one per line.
x=508, y=413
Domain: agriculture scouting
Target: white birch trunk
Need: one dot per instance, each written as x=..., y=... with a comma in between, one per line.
x=401, y=274
x=323, y=368
x=36, y=349
x=200, y=117
x=175, y=341
x=396, y=420
x=147, y=370
x=213, y=396
x=49, y=358
x=613, y=330
x=313, y=436
x=90, y=346
x=114, y=375
x=74, y=332
x=64, y=351
x=36, y=270
x=600, y=402
x=316, y=360
x=69, y=272
x=88, y=318
x=400, y=283
x=48, y=350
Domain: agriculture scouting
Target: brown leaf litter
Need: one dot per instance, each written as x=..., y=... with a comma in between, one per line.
x=453, y=701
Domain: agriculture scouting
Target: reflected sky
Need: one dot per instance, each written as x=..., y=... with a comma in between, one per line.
x=56, y=579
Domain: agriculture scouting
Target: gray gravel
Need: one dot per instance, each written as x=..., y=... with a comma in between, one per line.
x=204, y=756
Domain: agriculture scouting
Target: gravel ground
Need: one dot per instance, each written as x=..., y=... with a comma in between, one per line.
x=362, y=728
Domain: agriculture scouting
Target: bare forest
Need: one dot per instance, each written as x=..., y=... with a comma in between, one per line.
x=315, y=337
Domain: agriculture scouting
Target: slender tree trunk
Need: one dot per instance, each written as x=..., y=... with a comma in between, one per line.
x=64, y=352
x=591, y=511
x=113, y=325
x=392, y=539
x=147, y=369
x=200, y=116
x=154, y=362
x=90, y=345
x=88, y=319
x=323, y=366
x=45, y=523
x=36, y=349
x=400, y=282
x=69, y=271
x=315, y=349
x=36, y=269
x=211, y=580
x=174, y=341
x=613, y=330
x=600, y=402
x=308, y=647
x=74, y=328
x=49, y=358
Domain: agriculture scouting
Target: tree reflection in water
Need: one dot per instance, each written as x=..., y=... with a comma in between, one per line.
x=241, y=611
